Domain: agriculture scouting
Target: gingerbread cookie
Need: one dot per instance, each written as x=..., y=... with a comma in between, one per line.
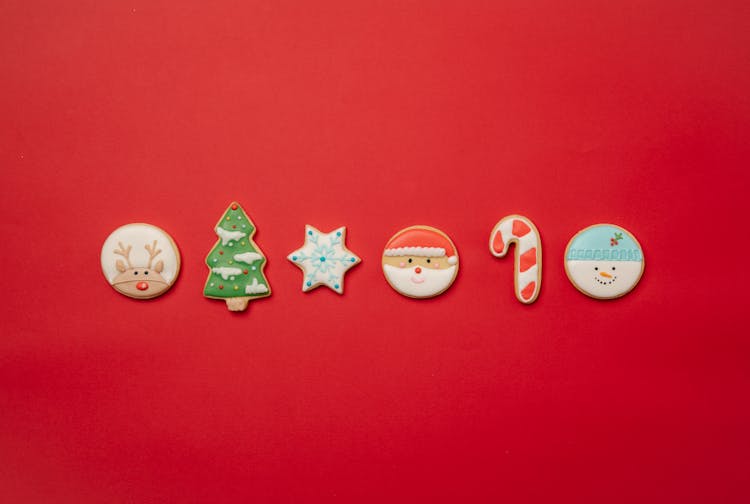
x=140, y=261
x=420, y=262
x=324, y=259
x=236, y=263
x=527, y=274
x=604, y=261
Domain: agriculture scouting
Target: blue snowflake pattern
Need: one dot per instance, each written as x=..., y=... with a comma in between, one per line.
x=324, y=259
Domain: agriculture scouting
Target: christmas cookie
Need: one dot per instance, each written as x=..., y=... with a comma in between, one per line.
x=324, y=259
x=604, y=261
x=420, y=262
x=527, y=273
x=236, y=263
x=140, y=261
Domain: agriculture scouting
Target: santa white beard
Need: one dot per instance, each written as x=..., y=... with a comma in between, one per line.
x=429, y=282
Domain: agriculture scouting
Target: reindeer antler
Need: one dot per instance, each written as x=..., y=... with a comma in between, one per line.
x=124, y=252
x=152, y=252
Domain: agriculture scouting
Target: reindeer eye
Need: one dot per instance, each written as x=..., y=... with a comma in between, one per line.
x=135, y=272
x=145, y=272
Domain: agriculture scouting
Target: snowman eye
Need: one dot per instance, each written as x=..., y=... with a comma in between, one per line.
x=613, y=268
x=596, y=268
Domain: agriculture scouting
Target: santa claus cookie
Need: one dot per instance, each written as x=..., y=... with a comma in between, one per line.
x=140, y=261
x=604, y=261
x=420, y=262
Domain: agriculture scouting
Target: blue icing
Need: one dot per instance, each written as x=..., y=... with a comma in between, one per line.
x=595, y=244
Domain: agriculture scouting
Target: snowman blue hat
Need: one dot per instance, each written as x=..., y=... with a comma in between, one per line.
x=604, y=242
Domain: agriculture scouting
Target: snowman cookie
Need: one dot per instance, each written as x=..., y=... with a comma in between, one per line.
x=140, y=261
x=604, y=261
x=420, y=262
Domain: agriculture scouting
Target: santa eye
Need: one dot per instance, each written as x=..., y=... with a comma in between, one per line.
x=410, y=259
x=428, y=261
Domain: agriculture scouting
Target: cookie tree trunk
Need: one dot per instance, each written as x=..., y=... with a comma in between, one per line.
x=237, y=303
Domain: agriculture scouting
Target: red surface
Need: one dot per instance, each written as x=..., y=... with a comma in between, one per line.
x=377, y=117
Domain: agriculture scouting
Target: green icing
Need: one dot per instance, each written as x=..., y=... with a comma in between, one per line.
x=227, y=282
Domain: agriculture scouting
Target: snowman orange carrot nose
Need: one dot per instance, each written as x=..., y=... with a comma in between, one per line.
x=605, y=274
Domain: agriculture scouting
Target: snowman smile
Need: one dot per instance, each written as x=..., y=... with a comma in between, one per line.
x=610, y=278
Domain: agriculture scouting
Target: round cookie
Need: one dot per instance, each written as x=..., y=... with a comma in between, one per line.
x=604, y=261
x=420, y=262
x=140, y=261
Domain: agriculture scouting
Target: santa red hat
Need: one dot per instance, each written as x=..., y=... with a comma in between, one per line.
x=421, y=242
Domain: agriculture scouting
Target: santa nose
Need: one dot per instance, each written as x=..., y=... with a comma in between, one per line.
x=417, y=270
x=141, y=285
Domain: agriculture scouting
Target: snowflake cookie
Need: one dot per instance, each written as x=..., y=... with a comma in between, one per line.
x=324, y=259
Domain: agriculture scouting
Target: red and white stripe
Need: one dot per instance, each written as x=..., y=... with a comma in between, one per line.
x=528, y=263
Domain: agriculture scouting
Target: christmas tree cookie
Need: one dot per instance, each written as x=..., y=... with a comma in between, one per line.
x=235, y=262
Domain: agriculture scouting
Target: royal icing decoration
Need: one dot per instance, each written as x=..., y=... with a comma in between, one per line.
x=227, y=235
x=226, y=273
x=324, y=259
x=527, y=275
x=235, y=262
x=140, y=261
x=604, y=261
x=247, y=257
x=256, y=288
x=420, y=262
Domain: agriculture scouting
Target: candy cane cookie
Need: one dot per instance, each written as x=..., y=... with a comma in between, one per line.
x=527, y=271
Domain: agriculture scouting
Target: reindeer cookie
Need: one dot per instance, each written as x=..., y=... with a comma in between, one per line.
x=140, y=261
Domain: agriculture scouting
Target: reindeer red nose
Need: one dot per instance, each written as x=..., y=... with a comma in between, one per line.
x=141, y=285
x=417, y=270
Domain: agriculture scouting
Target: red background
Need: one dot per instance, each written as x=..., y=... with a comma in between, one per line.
x=375, y=116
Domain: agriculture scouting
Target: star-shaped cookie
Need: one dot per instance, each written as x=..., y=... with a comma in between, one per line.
x=324, y=259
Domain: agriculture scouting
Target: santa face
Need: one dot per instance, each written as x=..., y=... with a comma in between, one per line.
x=604, y=279
x=604, y=261
x=419, y=277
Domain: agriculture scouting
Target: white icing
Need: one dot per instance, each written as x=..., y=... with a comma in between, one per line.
x=624, y=277
x=226, y=235
x=247, y=257
x=415, y=251
x=427, y=283
x=331, y=271
x=226, y=271
x=137, y=236
x=256, y=288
